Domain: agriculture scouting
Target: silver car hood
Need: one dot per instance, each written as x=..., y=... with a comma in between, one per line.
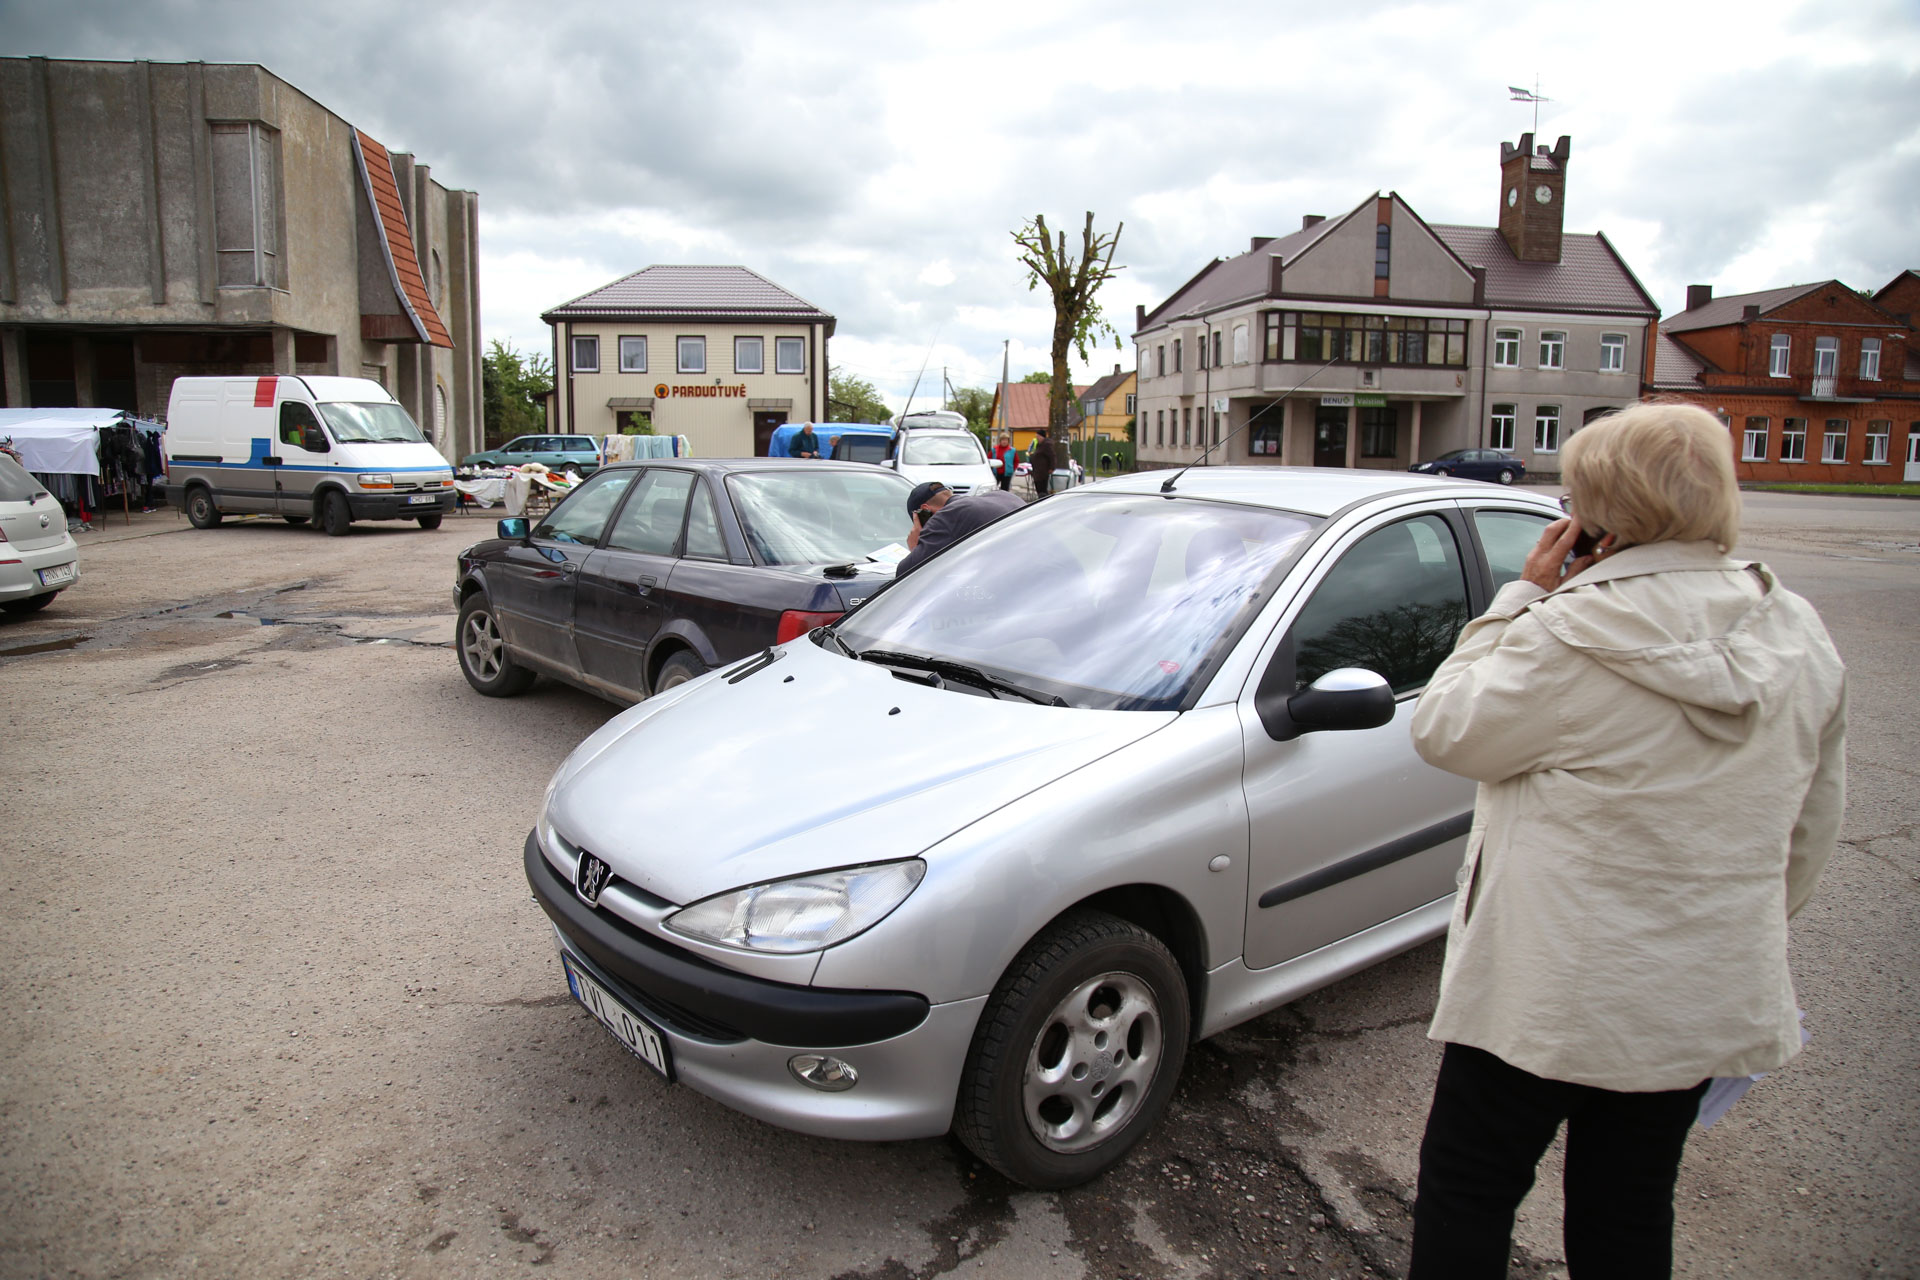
x=816, y=761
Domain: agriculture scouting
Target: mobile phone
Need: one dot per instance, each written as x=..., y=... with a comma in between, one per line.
x=1585, y=541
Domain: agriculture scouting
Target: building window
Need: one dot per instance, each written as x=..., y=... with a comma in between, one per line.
x=1778, y=354
x=1833, y=446
x=1553, y=349
x=633, y=354
x=693, y=356
x=1506, y=348
x=1186, y=424
x=1379, y=432
x=1546, y=429
x=1870, y=359
x=1216, y=348
x=1240, y=343
x=1272, y=319
x=1613, y=353
x=789, y=355
x=1160, y=428
x=1346, y=338
x=1826, y=357
x=1216, y=427
x=1264, y=438
x=1501, y=435
x=246, y=213
x=1793, y=440
x=1382, y=243
x=1877, y=433
x=1160, y=360
x=1176, y=355
x=1753, y=447
x=1133, y=404
x=749, y=355
x=586, y=355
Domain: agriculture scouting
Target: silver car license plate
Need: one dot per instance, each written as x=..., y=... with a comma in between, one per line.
x=628, y=1027
x=58, y=574
x=421, y=498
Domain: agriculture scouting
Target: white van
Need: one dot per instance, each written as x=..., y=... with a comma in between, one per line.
x=952, y=456
x=329, y=450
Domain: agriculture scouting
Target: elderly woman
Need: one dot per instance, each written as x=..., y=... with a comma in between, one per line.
x=1657, y=731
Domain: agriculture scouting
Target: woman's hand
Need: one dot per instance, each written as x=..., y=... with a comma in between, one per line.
x=1547, y=565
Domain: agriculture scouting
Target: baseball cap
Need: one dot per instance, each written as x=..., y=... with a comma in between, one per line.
x=923, y=493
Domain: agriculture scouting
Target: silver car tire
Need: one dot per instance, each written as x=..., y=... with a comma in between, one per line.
x=1077, y=1052
x=484, y=659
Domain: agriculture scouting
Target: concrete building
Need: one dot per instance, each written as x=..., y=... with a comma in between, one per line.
x=721, y=355
x=1378, y=340
x=162, y=219
x=1814, y=381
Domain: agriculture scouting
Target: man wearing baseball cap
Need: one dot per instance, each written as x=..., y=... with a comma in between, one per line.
x=940, y=519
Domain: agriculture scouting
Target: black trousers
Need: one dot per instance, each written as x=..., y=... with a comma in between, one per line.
x=1489, y=1126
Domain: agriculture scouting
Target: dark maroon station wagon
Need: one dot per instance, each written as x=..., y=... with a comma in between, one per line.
x=652, y=573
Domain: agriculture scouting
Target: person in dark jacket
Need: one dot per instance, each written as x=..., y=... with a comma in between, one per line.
x=1041, y=460
x=806, y=444
x=940, y=519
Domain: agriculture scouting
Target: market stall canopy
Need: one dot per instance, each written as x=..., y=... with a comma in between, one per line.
x=62, y=441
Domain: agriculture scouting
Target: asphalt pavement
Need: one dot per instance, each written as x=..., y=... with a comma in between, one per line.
x=277, y=1001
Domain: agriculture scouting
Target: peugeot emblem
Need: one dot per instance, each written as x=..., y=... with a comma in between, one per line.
x=590, y=878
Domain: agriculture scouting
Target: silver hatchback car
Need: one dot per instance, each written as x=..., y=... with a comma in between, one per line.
x=1132, y=768
x=38, y=557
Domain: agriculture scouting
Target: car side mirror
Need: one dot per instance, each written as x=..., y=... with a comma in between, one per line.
x=314, y=440
x=514, y=529
x=1343, y=699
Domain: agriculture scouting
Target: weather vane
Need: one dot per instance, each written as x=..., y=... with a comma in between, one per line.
x=1524, y=95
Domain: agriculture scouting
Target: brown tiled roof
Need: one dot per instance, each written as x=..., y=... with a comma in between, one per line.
x=1026, y=405
x=1729, y=309
x=681, y=292
x=1674, y=367
x=1590, y=276
x=377, y=167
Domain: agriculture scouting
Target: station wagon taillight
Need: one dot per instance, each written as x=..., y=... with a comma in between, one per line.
x=797, y=622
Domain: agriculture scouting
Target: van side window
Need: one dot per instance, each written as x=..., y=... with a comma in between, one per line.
x=295, y=418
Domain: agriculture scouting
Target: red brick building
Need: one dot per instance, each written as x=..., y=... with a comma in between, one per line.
x=1814, y=381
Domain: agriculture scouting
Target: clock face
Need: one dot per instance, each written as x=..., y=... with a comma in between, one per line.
x=1513, y=196
x=1543, y=194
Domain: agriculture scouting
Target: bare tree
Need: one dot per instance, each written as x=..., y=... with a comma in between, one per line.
x=1076, y=315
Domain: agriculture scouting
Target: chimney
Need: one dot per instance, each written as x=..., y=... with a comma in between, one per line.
x=1750, y=312
x=1698, y=296
x=1533, y=190
x=1139, y=316
x=1116, y=369
x=1259, y=243
x=1312, y=220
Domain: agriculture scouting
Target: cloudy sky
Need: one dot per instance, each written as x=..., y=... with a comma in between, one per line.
x=873, y=157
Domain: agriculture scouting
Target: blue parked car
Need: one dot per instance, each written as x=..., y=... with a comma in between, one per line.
x=1475, y=464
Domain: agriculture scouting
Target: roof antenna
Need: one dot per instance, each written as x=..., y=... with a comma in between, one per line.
x=1167, y=487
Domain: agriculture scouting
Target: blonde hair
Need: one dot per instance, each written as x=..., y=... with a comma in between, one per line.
x=1657, y=471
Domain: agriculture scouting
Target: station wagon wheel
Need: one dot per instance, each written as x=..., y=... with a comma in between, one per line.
x=1506, y=475
x=201, y=513
x=484, y=660
x=1077, y=1052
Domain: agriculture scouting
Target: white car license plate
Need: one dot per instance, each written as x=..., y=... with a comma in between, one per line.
x=58, y=574
x=422, y=498
x=628, y=1027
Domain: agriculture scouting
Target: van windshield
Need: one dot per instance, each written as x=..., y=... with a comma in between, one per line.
x=941, y=451
x=370, y=422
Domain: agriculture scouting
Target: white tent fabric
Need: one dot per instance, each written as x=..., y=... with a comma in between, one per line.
x=58, y=441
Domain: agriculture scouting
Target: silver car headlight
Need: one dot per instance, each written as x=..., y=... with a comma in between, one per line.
x=806, y=913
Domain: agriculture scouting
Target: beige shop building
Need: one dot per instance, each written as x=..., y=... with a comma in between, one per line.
x=720, y=355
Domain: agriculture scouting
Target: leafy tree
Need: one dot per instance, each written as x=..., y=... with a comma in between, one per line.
x=1076, y=314
x=851, y=399
x=1040, y=376
x=513, y=392
x=975, y=404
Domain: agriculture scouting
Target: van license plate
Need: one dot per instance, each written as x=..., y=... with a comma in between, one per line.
x=55, y=576
x=422, y=498
x=628, y=1027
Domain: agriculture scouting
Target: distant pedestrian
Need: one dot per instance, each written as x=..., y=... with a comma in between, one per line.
x=1008, y=458
x=1041, y=462
x=806, y=444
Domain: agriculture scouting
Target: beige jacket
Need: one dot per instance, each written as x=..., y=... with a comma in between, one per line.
x=1660, y=750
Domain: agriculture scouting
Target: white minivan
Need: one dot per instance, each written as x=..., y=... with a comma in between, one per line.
x=950, y=455
x=329, y=450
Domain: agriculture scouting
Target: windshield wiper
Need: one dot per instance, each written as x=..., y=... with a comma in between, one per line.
x=959, y=671
x=840, y=644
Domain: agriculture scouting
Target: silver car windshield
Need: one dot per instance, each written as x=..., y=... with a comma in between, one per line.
x=941, y=451
x=1108, y=600
x=820, y=516
x=373, y=422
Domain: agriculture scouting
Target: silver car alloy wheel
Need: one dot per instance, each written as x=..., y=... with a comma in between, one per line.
x=480, y=645
x=1093, y=1063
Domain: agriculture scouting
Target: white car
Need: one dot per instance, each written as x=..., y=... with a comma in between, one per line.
x=38, y=557
x=952, y=457
x=1133, y=767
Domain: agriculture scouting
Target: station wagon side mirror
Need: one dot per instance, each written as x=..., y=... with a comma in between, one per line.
x=1344, y=698
x=314, y=440
x=514, y=529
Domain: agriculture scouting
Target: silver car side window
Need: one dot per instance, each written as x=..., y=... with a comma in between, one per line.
x=1394, y=604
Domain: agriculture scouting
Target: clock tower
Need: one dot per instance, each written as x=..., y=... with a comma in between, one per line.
x=1533, y=189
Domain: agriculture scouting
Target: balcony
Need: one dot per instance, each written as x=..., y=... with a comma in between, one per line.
x=1824, y=387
